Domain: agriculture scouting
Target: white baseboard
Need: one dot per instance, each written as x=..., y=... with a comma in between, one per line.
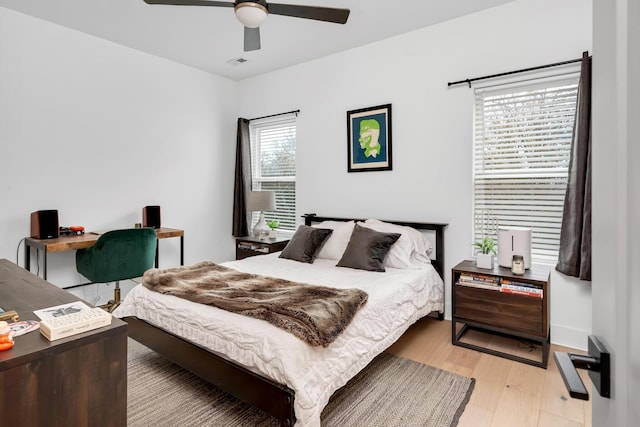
x=569, y=337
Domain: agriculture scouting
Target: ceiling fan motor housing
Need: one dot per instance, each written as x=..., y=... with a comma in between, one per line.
x=251, y=13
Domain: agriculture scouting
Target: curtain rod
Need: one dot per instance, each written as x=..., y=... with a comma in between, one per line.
x=556, y=64
x=275, y=115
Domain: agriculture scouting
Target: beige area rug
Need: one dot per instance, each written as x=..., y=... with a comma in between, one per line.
x=391, y=391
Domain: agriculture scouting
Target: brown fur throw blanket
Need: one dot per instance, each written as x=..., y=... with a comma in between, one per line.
x=315, y=314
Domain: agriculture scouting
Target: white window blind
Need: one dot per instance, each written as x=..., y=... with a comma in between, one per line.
x=522, y=140
x=273, y=165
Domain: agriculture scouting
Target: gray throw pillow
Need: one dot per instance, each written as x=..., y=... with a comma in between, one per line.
x=367, y=249
x=305, y=243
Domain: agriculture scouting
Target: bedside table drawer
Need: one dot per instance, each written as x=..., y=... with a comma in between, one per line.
x=500, y=310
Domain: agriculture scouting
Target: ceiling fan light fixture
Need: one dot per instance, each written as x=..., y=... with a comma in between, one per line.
x=251, y=14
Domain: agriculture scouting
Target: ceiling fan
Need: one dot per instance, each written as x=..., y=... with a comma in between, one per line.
x=252, y=13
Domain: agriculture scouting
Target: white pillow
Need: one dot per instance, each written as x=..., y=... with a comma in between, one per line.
x=336, y=244
x=411, y=249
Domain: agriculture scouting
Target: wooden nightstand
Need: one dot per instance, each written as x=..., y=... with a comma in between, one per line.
x=252, y=246
x=506, y=313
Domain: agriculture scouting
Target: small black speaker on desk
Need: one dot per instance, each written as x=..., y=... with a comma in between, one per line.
x=151, y=216
x=44, y=224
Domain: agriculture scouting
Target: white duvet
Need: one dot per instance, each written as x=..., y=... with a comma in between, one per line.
x=397, y=298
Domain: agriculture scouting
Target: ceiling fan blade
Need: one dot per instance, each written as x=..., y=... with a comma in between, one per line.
x=251, y=39
x=327, y=14
x=190, y=3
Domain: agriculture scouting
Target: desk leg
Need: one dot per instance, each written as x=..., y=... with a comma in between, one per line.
x=44, y=265
x=181, y=250
x=157, y=252
x=27, y=257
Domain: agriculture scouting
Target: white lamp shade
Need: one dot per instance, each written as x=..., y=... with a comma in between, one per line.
x=251, y=14
x=261, y=201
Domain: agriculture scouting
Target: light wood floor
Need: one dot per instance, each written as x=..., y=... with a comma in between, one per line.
x=506, y=393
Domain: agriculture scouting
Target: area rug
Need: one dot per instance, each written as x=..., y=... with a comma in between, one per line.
x=390, y=391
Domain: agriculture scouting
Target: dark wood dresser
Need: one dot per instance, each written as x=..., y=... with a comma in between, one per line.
x=76, y=381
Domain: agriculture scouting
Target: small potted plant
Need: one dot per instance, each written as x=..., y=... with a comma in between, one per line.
x=273, y=225
x=486, y=251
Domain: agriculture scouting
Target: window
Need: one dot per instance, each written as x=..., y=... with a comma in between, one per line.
x=522, y=143
x=273, y=165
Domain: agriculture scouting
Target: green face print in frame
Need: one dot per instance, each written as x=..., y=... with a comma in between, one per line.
x=369, y=139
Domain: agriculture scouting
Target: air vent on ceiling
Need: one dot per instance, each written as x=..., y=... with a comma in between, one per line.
x=237, y=61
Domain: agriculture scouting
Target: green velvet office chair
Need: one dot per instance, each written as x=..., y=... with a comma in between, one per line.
x=118, y=255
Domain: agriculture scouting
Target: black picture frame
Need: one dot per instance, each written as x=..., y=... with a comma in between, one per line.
x=369, y=139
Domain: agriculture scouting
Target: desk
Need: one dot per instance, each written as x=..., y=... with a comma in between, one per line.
x=80, y=380
x=72, y=243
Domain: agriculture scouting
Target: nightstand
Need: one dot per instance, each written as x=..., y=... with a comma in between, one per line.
x=510, y=309
x=251, y=246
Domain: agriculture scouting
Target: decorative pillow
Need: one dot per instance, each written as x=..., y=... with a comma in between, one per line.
x=305, y=243
x=334, y=246
x=411, y=249
x=367, y=249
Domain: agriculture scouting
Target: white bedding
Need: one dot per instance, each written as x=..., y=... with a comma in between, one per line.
x=397, y=298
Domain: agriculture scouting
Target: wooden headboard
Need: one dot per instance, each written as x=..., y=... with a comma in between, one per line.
x=438, y=228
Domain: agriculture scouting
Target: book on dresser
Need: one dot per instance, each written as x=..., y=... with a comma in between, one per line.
x=64, y=320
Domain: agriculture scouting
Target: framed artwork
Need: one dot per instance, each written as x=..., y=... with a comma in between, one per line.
x=369, y=139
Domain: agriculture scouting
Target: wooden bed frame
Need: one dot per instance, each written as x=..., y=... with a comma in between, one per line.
x=273, y=398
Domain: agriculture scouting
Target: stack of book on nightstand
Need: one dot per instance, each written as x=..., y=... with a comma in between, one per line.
x=521, y=288
x=476, y=280
x=253, y=247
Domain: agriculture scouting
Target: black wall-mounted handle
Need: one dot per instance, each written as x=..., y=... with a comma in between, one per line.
x=597, y=362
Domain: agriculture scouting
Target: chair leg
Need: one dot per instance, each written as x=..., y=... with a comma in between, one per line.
x=116, y=297
x=115, y=302
x=116, y=293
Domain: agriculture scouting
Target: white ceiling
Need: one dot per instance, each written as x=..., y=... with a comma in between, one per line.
x=207, y=37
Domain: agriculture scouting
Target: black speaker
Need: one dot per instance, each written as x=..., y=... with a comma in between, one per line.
x=151, y=216
x=44, y=224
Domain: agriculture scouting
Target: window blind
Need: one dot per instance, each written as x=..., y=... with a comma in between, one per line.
x=273, y=165
x=522, y=141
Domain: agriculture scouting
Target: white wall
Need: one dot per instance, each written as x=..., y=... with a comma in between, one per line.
x=97, y=131
x=432, y=124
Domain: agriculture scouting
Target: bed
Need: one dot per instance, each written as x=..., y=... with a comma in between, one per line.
x=270, y=368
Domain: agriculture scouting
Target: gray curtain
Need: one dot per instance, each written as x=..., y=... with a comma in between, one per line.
x=574, y=258
x=242, y=184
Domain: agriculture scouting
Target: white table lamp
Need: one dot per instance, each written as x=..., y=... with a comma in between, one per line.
x=261, y=201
